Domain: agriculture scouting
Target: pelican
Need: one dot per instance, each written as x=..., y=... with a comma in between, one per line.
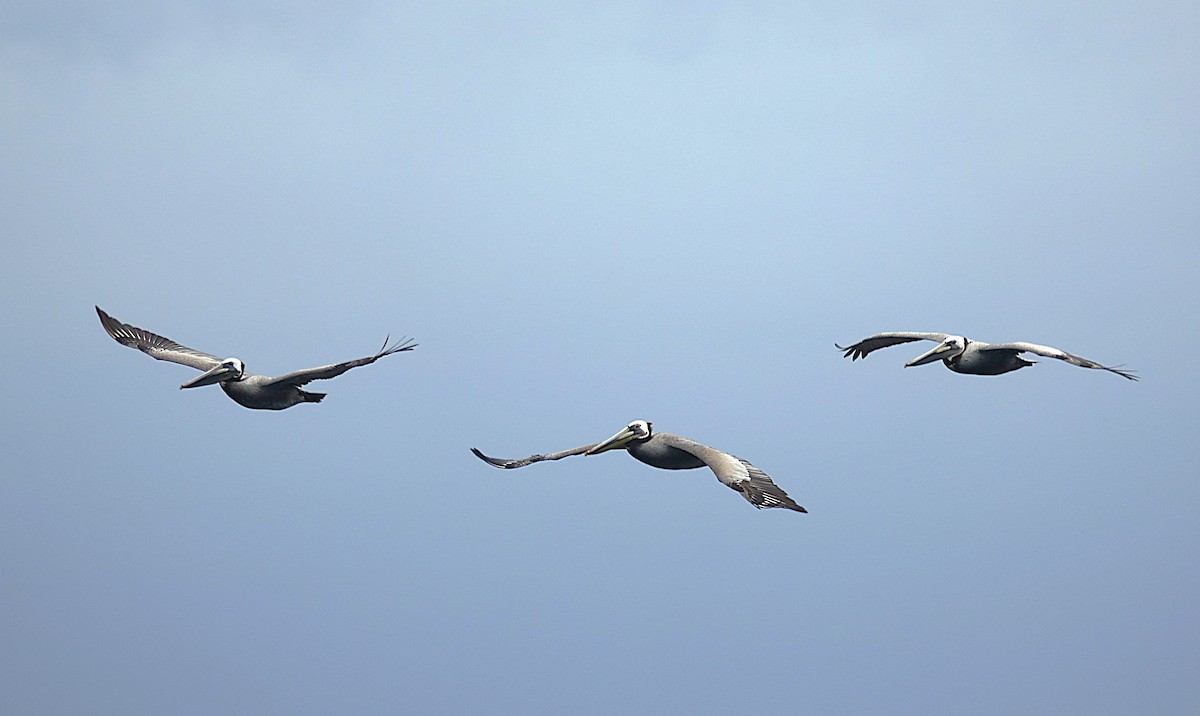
x=672, y=452
x=258, y=392
x=963, y=355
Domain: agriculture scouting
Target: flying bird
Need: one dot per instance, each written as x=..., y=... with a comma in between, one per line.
x=672, y=452
x=963, y=355
x=258, y=392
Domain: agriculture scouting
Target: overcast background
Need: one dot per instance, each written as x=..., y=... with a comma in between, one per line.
x=586, y=214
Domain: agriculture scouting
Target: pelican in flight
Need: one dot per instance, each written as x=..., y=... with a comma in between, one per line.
x=962, y=355
x=259, y=392
x=672, y=452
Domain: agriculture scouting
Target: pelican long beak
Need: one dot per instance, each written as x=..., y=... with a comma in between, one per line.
x=931, y=356
x=617, y=441
x=216, y=374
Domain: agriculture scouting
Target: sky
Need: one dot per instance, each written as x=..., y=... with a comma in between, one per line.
x=586, y=214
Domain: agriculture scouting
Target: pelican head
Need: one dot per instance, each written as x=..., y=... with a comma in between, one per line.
x=228, y=369
x=637, y=430
x=950, y=347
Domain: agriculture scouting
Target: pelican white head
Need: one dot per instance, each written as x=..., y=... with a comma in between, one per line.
x=636, y=430
x=950, y=347
x=228, y=369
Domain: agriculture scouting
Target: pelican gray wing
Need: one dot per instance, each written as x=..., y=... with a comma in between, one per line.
x=302, y=377
x=522, y=462
x=755, y=485
x=1057, y=353
x=886, y=340
x=155, y=345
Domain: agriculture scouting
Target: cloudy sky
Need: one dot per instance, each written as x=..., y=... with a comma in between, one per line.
x=586, y=214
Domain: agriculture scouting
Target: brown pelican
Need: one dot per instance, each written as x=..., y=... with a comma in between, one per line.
x=972, y=357
x=672, y=452
x=252, y=391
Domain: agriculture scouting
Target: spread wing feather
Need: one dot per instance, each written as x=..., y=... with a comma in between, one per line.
x=1059, y=354
x=755, y=485
x=522, y=462
x=886, y=340
x=155, y=345
x=325, y=372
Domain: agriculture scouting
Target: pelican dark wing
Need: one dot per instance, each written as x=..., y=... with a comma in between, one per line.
x=155, y=345
x=1051, y=352
x=522, y=462
x=302, y=377
x=886, y=340
x=734, y=472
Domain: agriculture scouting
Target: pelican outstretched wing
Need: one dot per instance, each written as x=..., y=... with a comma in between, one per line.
x=155, y=345
x=522, y=462
x=755, y=485
x=325, y=372
x=1059, y=354
x=885, y=340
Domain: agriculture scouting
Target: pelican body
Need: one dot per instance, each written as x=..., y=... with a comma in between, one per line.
x=970, y=357
x=257, y=392
x=674, y=452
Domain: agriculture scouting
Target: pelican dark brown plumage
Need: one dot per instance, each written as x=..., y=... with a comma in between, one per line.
x=258, y=392
x=673, y=452
x=963, y=355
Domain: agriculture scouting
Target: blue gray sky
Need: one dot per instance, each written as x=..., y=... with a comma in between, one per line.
x=585, y=215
